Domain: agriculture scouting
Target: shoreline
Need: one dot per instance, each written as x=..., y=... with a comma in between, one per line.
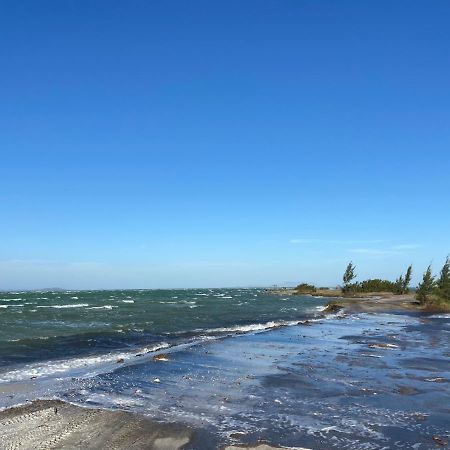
x=376, y=303
x=368, y=302
x=36, y=425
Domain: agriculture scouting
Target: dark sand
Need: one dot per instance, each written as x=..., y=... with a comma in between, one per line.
x=382, y=303
x=54, y=425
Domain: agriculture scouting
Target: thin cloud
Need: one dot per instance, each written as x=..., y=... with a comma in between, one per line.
x=335, y=241
x=406, y=246
x=372, y=251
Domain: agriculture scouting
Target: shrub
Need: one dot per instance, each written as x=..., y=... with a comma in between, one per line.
x=306, y=288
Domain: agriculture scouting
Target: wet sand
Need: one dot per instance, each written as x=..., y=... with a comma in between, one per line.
x=54, y=425
x=382, y=303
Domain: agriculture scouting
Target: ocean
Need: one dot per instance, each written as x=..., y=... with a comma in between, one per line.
x=45, y=333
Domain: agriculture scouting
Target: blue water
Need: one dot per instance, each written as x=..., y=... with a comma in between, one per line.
x=44, y=333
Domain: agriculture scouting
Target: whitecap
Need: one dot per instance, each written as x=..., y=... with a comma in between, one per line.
x=103, y=307
x=77, y=305
x=252, y=327
x=94, y=364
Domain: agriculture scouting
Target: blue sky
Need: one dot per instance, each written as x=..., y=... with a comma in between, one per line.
x=178, y=144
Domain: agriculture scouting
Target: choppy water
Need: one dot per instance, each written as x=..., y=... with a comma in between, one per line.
x=51, y=333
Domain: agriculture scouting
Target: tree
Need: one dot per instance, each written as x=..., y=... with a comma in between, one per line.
x=443, y=283
x=425, y=288
x=407, y=280
x=402, y=283
x=399, y=282
x=349, y=275
x=305, y=288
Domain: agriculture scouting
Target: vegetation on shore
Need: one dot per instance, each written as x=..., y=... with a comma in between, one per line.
x=433, y=293
x=399, y=286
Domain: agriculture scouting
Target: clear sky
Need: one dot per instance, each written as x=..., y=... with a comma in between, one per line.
x=208, y=143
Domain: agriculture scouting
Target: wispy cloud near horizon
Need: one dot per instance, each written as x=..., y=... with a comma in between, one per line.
x=392, y=250
x=406, y=246
x=335, y=241
x=373, y=251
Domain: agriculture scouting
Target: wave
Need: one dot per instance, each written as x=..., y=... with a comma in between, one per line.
x=252, y=327
x=91, y=365
x=77, y=305
x=103, y=307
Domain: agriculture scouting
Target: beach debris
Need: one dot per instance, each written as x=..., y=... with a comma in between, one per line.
x=439, y=440
x=237, y=434
x=156, y=380
x=161, y=357
x=120, y=360
x=333, y=308
x=383, y=345
x=56, y=410
x=420, y=416
x=407, y=390
x=436, y=380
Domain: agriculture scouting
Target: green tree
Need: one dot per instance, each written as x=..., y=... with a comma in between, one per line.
x=349, y=276
x=402, y=283
x=305, y=288
x=443, y=283
x=399, y=282
x=426, y=287
x=407, y=280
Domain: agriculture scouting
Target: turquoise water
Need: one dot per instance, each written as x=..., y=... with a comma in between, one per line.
x=82, y=327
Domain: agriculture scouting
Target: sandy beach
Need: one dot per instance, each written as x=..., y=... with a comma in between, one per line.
x=55, y=424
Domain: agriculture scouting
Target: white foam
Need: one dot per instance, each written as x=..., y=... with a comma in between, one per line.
x=128, y=301
x=253, y=327
x=103, y=307
x=10, y=299
x=91, y=365
x=77, y=305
